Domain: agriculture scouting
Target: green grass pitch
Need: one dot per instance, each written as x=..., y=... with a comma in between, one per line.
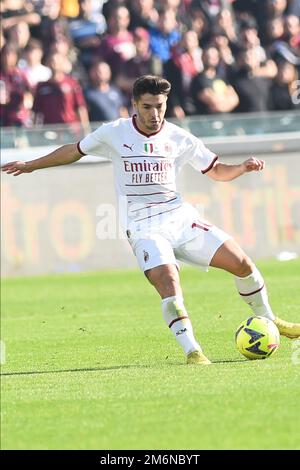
x=90, y=364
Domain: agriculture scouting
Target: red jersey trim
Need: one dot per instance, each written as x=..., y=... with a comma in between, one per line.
x=148, y=184
x=177, y=319
x=151, y=204
x=151, y=194
x=154, y=215
x=144, y=133
x=79, y=150
x=254, y=292
x=210, y=166
x=203, y=227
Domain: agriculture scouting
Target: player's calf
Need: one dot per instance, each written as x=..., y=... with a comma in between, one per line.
x=165, y=279
x=177, y=319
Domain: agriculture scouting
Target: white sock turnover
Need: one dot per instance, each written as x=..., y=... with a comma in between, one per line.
x=176, y=317
x=252, y=289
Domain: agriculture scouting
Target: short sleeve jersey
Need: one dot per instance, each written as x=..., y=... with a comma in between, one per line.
x=146, y=166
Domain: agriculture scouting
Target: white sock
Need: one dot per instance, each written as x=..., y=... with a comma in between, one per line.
x=252, y=289
x=176, y=317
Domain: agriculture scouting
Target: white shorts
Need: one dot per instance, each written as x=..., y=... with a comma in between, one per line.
x=181, y=237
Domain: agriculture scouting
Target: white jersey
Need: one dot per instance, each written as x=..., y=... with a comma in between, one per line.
x=146, y=166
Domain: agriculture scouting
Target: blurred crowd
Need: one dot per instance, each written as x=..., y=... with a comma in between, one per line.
x=74, y=61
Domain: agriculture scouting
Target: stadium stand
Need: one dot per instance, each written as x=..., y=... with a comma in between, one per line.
x=253, y=46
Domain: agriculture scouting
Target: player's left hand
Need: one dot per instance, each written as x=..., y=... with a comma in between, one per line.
x=253, y=164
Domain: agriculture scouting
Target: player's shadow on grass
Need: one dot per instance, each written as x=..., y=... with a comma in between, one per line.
x=228, y=361
x=99, y=369
x=219, y=361
x=61, y=371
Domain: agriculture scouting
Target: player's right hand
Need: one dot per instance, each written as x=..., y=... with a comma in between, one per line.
x=16, y=168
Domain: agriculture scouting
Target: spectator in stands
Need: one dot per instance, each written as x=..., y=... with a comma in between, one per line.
x=211, y=8
x=73, y=66
x=16, y=98
x=274, y=32
x=292, y=33
x=219, y=39
x=255, y=9
x=226, y=20
x=111, y=5
x=60, y=99
x=269, y=27
x=19, y=35
x=185, y=63
x=105, y=101
x=250, y=40
x=276, y=8
x=283, y=94
x=178, y=6
x=210, y=93
x=142, y=14
x=31, y=64
x=97, y=11
x=53, y=25
x=251, y=7
x=16, y=11
x=63, y=46
x=143, y=63
x=86, y=33
x=267, y=10
x=117, y=45
x=283, y=39
x=165, y=35
x=198, y=23
x=252, y=88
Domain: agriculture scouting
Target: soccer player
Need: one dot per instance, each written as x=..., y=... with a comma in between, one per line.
x=147, y=153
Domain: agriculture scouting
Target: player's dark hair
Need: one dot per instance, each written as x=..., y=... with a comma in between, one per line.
x=150, y=84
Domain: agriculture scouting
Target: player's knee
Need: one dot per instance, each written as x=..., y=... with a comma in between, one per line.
x=244, y=267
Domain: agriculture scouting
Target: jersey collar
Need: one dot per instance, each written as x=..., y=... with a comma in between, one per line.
x=144, y=133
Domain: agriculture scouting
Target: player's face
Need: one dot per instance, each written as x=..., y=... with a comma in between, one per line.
x=150, y=111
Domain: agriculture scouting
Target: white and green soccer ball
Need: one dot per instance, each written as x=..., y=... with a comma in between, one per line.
x=257, y=338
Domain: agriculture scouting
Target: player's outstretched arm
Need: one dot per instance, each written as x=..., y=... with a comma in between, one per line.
x=62, y=156
x=226, y=172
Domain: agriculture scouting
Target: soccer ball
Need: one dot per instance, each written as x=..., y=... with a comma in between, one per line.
x=257, y=338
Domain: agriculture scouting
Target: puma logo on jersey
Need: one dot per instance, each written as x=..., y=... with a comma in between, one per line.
x=128, y=146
